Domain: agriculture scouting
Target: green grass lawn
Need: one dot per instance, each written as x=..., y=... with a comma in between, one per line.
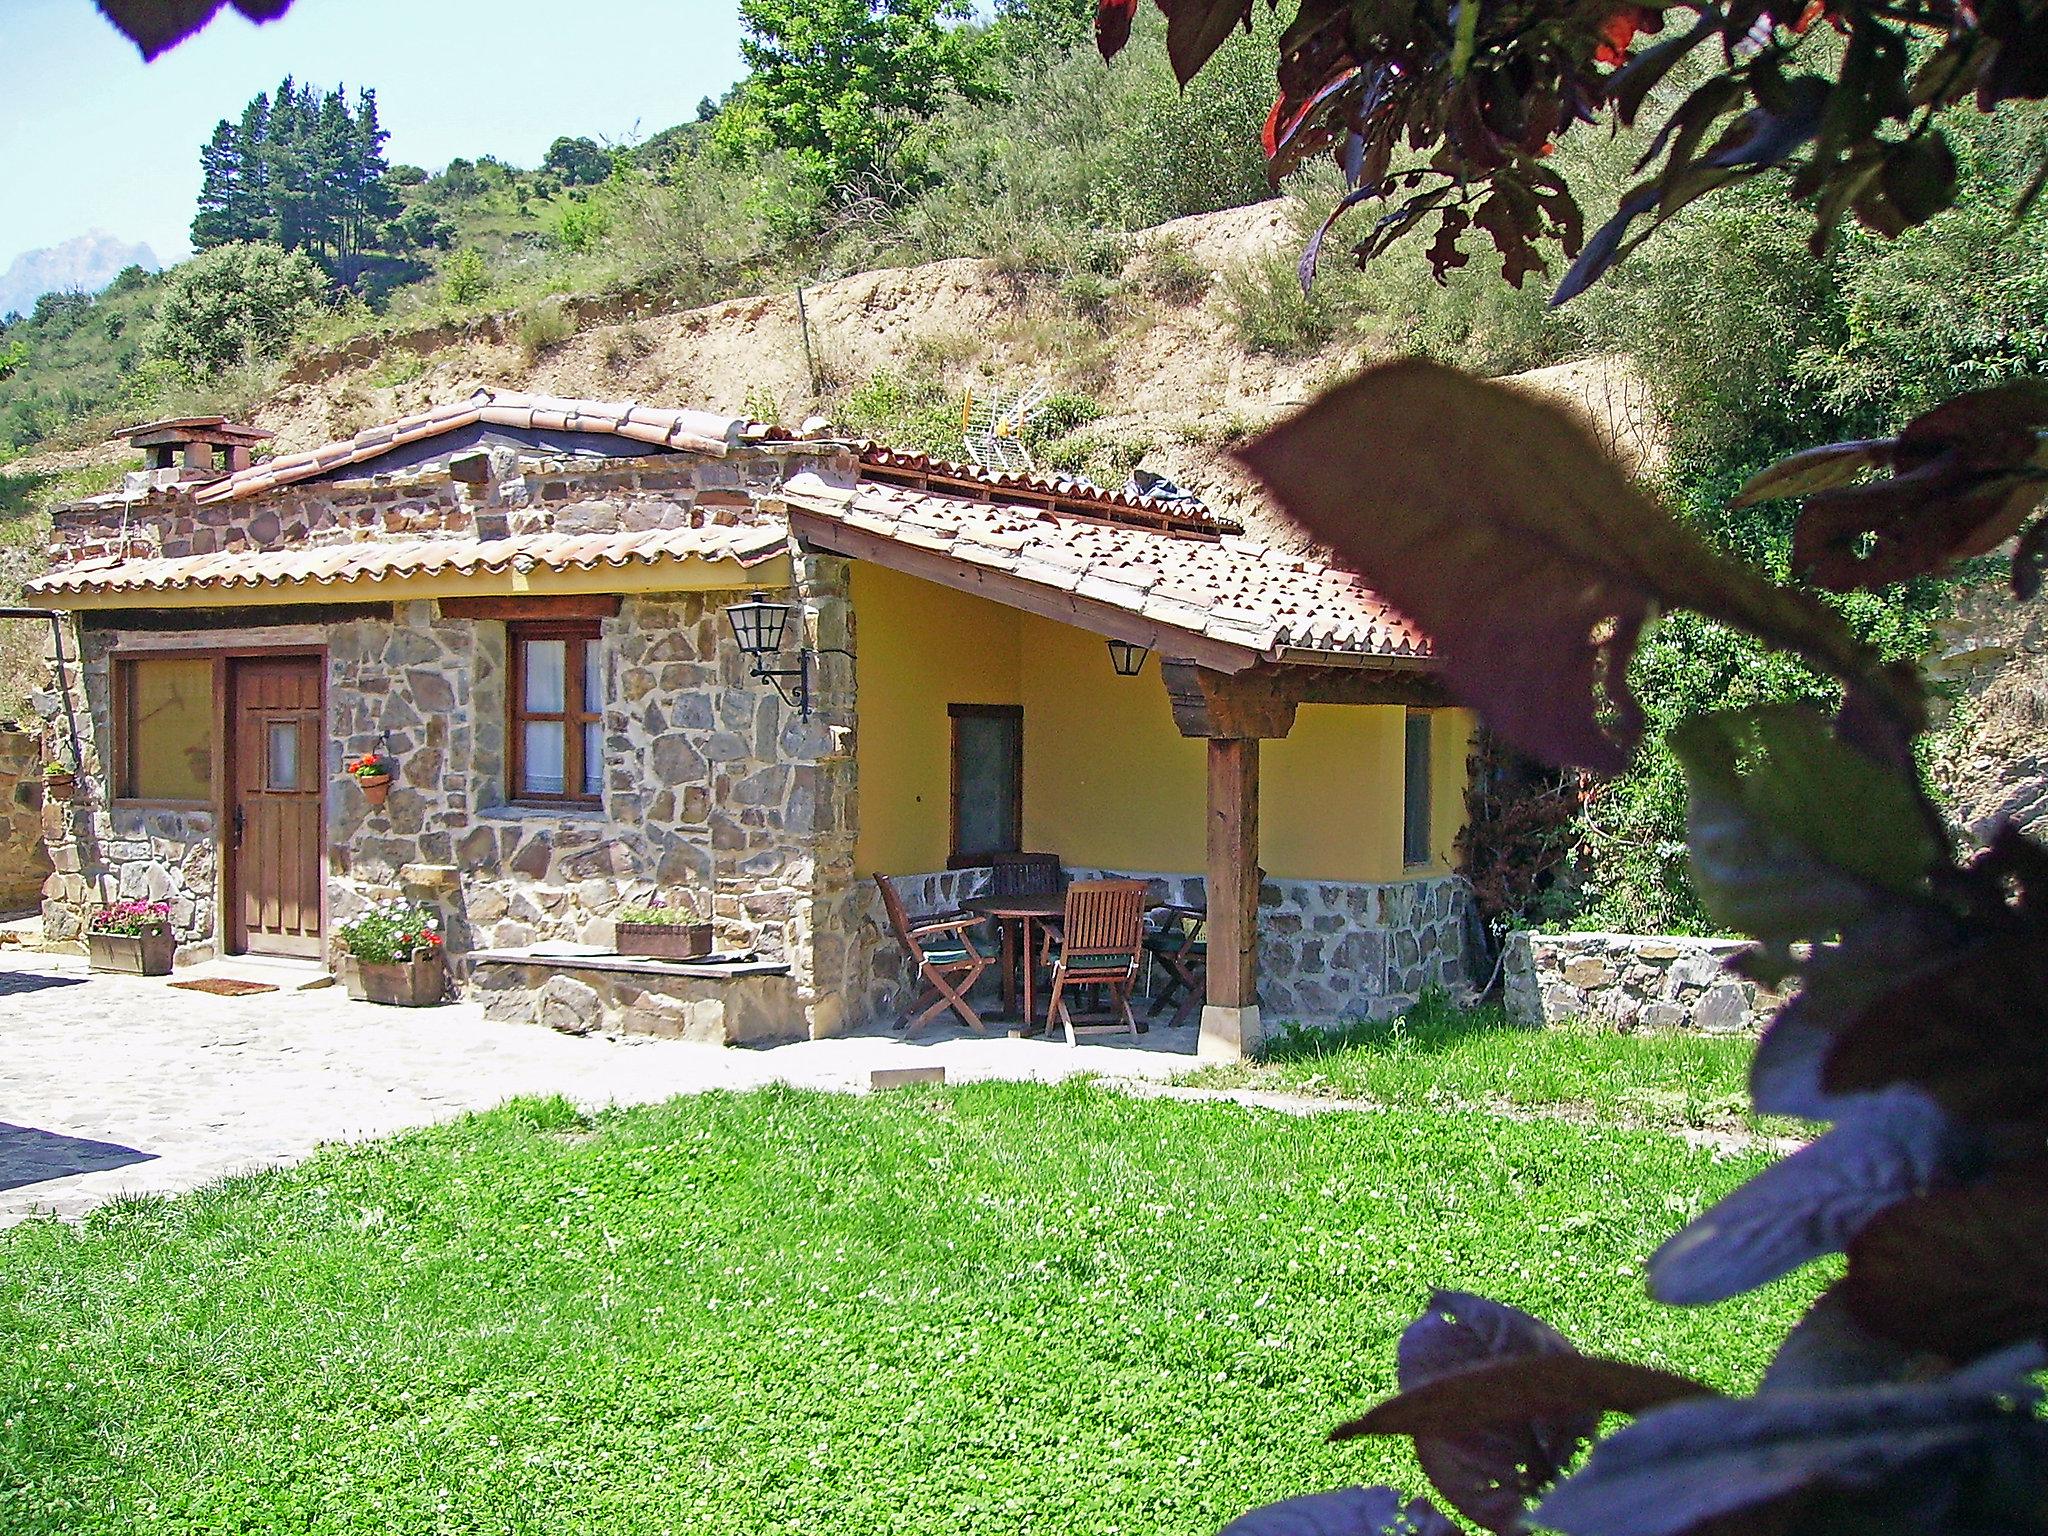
x=1438, y=1056
x=998, y=1308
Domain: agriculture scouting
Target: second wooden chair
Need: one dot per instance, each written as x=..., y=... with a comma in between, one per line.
x=1101, y=941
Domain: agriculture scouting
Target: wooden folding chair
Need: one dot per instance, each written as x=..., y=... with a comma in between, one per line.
x=949, y=962
x=1102, y=937
x=1181, y=944
x=1030, y=874
x=1025, y=874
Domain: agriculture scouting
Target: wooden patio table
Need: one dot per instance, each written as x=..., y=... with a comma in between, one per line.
x=1018, y=918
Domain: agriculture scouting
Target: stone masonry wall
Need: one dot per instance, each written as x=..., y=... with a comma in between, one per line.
x=101, y=851
x=1328, y=950
x=24, y=863
x=525, y=493
x=718, y=795
x=1631, y=982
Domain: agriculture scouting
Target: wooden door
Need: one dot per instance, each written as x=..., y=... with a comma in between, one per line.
x=275, y=790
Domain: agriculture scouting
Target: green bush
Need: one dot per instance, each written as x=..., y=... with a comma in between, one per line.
x=1270, y=311
x=543, y=328
x=582, y=226
x=1166, y=271
x=234, y=305
x=909, y=411
x=465, y=280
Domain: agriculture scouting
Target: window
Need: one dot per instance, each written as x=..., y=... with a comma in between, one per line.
x=1415, y=847
x=165, y=725
x=557, y=724
x=988, y=781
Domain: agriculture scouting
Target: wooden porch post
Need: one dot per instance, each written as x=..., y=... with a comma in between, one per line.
x=1230, y=1017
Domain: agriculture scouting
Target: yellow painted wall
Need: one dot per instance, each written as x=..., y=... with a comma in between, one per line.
x=1330, y=794
x=1108, y=779
x=1450, y=746
x=920, y=648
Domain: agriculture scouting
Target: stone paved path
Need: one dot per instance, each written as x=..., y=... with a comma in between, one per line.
x=112, y=1084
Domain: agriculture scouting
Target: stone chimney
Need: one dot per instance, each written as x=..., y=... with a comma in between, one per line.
x=193, y=448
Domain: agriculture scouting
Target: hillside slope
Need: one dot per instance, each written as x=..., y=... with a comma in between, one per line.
x=1152, y=348
x=1159, y=356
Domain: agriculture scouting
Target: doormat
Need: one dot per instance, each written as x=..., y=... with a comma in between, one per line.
x=225, y=986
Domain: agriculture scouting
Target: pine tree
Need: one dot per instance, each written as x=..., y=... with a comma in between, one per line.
x=305, y=171
x=220, y=167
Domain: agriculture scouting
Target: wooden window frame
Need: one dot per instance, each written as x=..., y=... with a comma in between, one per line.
x=580, y=634
x=124, y=722
x=1426, y=788
x=955, y=713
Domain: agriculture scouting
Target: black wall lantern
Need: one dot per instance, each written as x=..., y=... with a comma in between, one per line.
x=1128, y=659
x=758, y=626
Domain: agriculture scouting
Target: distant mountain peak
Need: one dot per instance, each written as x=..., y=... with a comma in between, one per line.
x=86, y=262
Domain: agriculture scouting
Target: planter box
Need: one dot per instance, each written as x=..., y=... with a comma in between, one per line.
x=407, y=984
x=144, y=954
x=664, y=941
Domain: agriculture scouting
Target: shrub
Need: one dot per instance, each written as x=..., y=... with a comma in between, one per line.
x=1270, y=311
x=582, y=227
x=465, y=280
x=234, y=305
x=543, y=328
x=1168, y=273
x=1058, y=415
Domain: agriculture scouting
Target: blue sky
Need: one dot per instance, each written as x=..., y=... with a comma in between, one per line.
x=90, y=137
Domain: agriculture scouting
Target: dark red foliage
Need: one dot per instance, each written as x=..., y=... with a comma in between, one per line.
x=155, y=25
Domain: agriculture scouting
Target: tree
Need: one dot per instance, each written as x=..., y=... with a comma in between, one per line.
x=841, y=84
x=303, y=170
x=234, y=305
x=1906, y=1399
x=579, y=162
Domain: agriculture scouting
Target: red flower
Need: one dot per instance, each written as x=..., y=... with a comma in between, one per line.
x=1817, y=10
x=1620, y=30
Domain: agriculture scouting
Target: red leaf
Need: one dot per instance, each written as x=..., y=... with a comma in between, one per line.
x=1195, y=29
x=156, y=25
x=1967, y=1030
x=1814, y=469
x=1960, y=1272
x=1519, y=1388
x=1965, y=479
x=1494, y=520
x=1113, y=20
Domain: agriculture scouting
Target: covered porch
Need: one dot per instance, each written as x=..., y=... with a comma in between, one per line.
x=1309, y=798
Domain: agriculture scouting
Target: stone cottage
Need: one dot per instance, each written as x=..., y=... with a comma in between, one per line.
x=525, y=603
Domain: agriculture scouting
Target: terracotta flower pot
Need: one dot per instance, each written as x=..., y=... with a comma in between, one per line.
x=148, y=953
x=664, y=941
x=60, y=786
x=376, y=787
x=406, y=983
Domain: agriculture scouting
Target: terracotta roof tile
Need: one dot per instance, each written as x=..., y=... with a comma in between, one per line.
x=376, y=560
x=694, y=431
x=1229, y=590
x=970, y=481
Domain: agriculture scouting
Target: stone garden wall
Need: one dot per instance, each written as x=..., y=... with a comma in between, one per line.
x=24, y=863
x=1631, y=982
x=1328, y=950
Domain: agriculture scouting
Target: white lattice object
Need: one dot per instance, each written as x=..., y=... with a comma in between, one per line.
x=992, y=427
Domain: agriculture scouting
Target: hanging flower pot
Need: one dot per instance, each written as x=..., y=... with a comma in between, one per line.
x=372, y=773
x=60, y=783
